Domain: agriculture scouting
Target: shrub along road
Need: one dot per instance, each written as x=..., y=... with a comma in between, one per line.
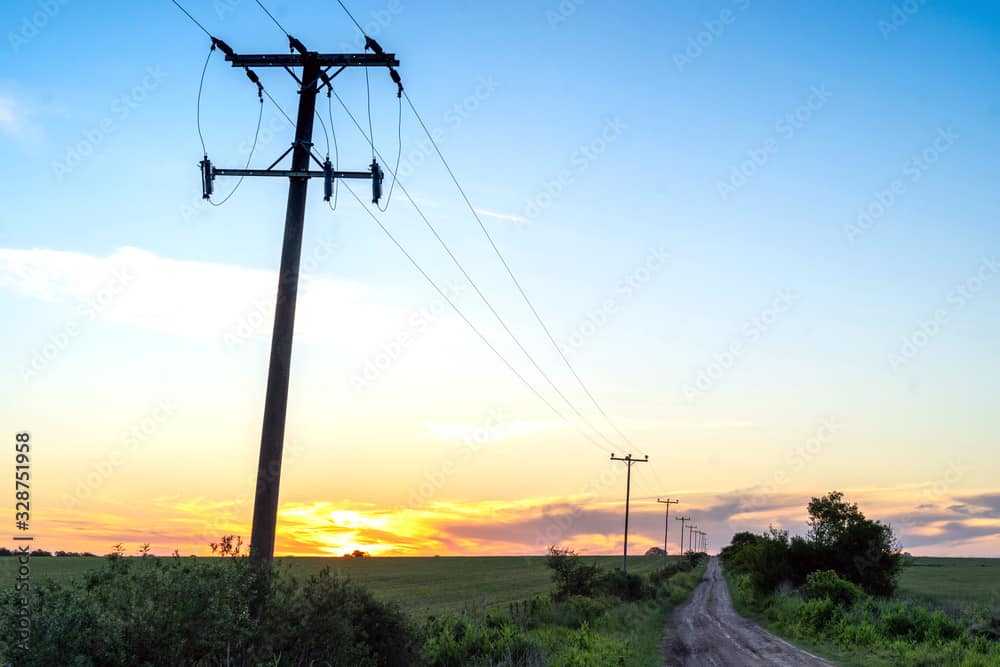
x=707, y=631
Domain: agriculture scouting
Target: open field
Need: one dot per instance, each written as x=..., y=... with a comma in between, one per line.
x=431, y=585
x=952, y=582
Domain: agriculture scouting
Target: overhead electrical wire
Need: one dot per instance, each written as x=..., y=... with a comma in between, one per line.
x=271, y=16
x=256, y=134
x=500, y=256
x=432, y=229
x=336, y=152
x=201, y=85
x=472, y=326
x=399, y=154
x=193, y=19
x=510, y=272
x=475, y=286
x=351, y=16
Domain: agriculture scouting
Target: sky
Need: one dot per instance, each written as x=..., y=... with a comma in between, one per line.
x=763, y=234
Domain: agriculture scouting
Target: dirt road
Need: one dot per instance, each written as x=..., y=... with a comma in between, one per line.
x=707, y=631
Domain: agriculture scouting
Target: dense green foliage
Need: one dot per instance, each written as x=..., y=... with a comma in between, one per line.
x=168, y=611
x=862, y=629
x=833, y=590
x=841, y=539
x=159, y=611
x=421, y=586
x=592, y=617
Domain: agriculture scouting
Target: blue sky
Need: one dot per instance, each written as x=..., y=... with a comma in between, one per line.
x=820, y=180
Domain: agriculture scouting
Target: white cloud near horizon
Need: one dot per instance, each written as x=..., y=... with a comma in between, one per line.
x=191, y=298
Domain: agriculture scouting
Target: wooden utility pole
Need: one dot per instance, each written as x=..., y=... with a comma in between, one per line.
x=682, y=519
x=691, y=538
x=315, y=68
x=628, y=487
x=666, y=522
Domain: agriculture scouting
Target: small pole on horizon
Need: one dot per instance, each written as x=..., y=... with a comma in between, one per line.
x=666, y=522
x=628, y=488
x=682, y=519
x=691, y=538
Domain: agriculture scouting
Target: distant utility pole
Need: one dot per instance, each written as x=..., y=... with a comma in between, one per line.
x=691, y=537
x=682, y=519
x=628, y=488
x=666, y=522
x=315, y=76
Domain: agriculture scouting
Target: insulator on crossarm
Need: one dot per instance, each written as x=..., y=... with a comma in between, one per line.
x=206, y=178
x=377, y=177
x=222, y=46
x=327, y=180
x=375, y=47
x=399, y=82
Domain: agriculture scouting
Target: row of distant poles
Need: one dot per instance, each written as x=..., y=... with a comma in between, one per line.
x=694, y=535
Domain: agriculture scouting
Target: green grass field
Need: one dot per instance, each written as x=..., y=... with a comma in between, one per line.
x=952, y=582
x=421, y=586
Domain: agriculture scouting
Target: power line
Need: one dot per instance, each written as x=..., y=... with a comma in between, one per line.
x=476, y=288
x=280, y=27
x=201, y=137
x=496, y=249
x=510, y=272
x=351, y=16
x=201, y=85
x=666, y=521
x=399, y=154
x=193, y=19
x=368, y=97
x=275, y=103
x=256, y=135
x=336, y=152
x=629, y=461
x=465, y=319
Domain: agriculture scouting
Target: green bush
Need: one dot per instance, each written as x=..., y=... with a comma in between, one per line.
x=577, y=610
x=624, y=586
x=826, y=584
x=570, y=574
x=157, y=611
x=913, y=622
x=457, y=642
x=815, y=616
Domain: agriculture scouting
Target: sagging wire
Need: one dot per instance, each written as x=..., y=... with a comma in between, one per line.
x=225, y=48
x=399, y=154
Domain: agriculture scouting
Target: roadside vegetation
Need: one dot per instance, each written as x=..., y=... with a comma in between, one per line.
x=836, y=591
x=148, y=610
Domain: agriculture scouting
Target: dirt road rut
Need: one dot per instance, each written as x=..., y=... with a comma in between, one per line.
x=707, y=631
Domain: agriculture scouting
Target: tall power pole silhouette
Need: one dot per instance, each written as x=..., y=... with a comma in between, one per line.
x=666, y=522
x=628, y=488
x=315, y=75
x=691, y=537
x=682, y=519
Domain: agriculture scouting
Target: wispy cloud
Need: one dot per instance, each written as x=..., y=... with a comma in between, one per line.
x=588, y=523
x=491, y=433
x=502, y=216
x=17, y=121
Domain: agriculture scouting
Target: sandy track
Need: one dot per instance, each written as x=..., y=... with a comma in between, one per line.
x=707, y=631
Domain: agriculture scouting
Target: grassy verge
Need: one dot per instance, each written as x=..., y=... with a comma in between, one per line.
x=611, y=625
x=165, y=611
x=869, y=631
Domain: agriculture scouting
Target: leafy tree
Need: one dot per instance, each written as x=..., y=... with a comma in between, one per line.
x=571, y=575
x=857, y=548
